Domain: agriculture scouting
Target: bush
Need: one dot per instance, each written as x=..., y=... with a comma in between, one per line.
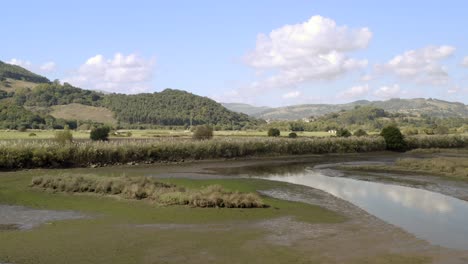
x=63, y=137
x=32, y=134
x=203, y=132
x=100, y=134
x=343, y=132
x=360, y=133
x=393, y=138
x=292, y=135
x=273, y=132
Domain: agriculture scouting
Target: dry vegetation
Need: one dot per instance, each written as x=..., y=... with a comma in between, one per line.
x=83, y=112
x=448, y=166
x=145, y=188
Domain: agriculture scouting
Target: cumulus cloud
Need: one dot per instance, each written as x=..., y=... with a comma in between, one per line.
x=387, y=92
x=21, y=63
x=314, y=50
x=291, y=95
x=421, y=65
x=121, y=74
x=354, y=92
x=48, y=66
x=465, y=62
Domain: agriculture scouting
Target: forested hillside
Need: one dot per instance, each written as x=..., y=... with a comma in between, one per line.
x=174, y=107
x=19, y=73
x=371, y=118
x=413, y=107
x=40, y=104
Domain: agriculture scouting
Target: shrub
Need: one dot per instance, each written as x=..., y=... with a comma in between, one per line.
x=292, y=135
x=63, y=137
x=360, y=133
x=32, y=134
x=273, y=132
x=22, y=128
x=100, y=133
x=394, y=140
x=202, y=132
x=343, y=132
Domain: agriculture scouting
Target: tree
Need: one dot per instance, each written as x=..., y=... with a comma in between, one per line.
x=203, y=132
x=292, y=135
x=360, y=133
x=100, y=133
x=393, y=138
x=343, y=132
x=273, y=132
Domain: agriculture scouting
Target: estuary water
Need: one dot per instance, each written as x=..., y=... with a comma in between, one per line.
x=440, y=219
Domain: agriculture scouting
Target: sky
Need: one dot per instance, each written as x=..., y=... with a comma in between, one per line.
x=269, y=53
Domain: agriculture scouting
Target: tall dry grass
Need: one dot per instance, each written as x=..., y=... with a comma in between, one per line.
x=35, y=153
x=145, y=188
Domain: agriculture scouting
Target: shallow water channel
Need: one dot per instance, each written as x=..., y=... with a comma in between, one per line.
x=440, y=219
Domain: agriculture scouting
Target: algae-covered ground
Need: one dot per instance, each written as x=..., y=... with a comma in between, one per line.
x=318, y=229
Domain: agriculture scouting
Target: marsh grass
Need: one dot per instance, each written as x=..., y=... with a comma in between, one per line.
x=18, y=154
x=448, y=166
x=45, y=153
x=146, y=188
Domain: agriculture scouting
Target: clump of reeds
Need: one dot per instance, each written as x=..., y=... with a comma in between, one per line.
x=140, y=188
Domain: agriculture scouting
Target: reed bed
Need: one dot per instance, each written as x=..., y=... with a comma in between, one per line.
x=145, y=188
x=31, y=154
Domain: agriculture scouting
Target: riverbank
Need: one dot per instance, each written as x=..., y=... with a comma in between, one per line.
x=302, y=225
x=24, y=154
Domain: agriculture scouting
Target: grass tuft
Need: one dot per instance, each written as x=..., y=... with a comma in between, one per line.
x=146, y=188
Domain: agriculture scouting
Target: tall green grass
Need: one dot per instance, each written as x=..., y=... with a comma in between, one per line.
x=32, y=153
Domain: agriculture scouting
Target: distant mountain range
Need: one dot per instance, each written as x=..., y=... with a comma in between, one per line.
x=417, y=107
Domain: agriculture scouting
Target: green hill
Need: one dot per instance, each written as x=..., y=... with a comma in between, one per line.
x=31, y=100
x=413, y=107
x=18, y=73
x=173, y=107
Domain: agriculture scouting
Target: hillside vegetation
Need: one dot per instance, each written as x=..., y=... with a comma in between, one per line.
x=29, y=100
x=418, y=107
x=18, y=73
x=76, y=111
x=174, y=107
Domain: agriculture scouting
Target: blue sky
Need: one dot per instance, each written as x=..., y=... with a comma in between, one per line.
x=308, y=52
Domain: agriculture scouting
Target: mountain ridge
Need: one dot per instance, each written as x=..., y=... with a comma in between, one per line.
x=414, y=106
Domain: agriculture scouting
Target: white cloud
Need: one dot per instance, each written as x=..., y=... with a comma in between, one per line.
x=366, y=78
x=465, y=62
x=21, y=63
x=354, y=92
x=387, y=92
x=122, y=74
x=314, y=50
x=48, y=66
x=421, y=65
x=291, y=95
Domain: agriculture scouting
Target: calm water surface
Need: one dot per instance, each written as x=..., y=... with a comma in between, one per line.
x=437, y=218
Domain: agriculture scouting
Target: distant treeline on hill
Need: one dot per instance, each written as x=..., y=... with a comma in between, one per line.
x=19, y=73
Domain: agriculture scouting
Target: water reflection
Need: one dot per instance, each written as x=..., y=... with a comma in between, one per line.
x=437, y=218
